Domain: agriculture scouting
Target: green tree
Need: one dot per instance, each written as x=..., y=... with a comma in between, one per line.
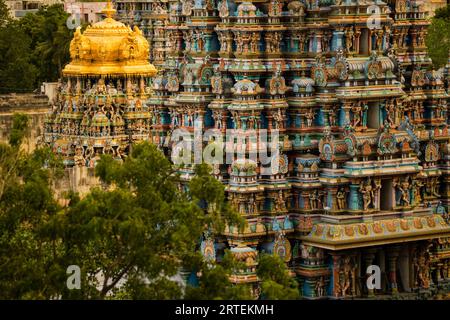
x=50, y=40
x=438, y=38
x=215, y=284
x=276, y=282
x=131, y=237
x=17, y=70
x=140, y=229
x=34, y=48
x=443, y=13
x=27, y=253
x=4, y=13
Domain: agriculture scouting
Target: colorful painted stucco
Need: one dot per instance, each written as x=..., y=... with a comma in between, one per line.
x=362, y=124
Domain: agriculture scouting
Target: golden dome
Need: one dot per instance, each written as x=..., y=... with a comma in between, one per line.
x=109, y=48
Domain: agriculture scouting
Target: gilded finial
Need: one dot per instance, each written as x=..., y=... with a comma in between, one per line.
x=109, y=11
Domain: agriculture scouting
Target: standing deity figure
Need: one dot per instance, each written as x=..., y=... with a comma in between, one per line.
x=439, y=111
x=356, y=112
x=325, y=41
x=365, y=108
x=188, y=76
x=310, y=117
x=320, y=287
x=223, y=9
x=223, y=44
x=277, y=37
x=379, y=39
x=275, y=8
x=218, y=119
x=246, y=38
x=174, y=117
x=347, y=276
x=332, y=117
x=188, y=40
x=186, y=7
x=202, y=44
x=251, y=207
x=79, y=158
x=341, y=201
x=403, y=187
x=421, y=262
x=254, y=45
x=390, y=113
x=416, y=189
x=367, y=194
x=349, y=38
x=277, y=119
x=313, y=199
x=280, y=204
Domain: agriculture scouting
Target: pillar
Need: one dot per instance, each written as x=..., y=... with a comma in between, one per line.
x=346, y=118
x=392, y=255
x=336, y=41
x=336, y=287
x=353, y=203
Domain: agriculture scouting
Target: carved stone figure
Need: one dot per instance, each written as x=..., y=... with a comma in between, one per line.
x=310, y=115
x=421, y=262
x=280, y=204
x=341, y=199
x=367, y=192
x=320, y=287
x=313, y=199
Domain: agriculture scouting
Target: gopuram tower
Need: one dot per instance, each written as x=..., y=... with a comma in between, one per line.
x=101, y=103
x=346, y=93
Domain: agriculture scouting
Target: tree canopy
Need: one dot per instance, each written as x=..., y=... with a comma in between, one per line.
x=4, y=13
x=130, y=237
x=136, y=236
x=26, y=205
x=34, y=48
x=276, y=282
x=438, y=38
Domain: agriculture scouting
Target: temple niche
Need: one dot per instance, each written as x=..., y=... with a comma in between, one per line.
x=361, y=123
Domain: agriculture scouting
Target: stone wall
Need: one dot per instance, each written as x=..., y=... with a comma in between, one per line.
x=36, y=106
x=31, y=104
x=433, y=5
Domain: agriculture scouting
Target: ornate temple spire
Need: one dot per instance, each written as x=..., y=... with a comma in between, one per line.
x=109, y=48
x=101, y=106
x=109, y=11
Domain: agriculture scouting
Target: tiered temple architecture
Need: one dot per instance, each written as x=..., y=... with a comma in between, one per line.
x=101, y=103
x=346, y=91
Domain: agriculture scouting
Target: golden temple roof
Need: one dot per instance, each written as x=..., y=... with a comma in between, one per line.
x=109, y=48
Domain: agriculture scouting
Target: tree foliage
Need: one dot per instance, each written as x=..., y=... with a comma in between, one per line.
x=443, y=13
x=17, y=70
x=139, y=226
x=34, y=48
x=4, y=13
x=438, y=38
x=50, y=40
x=130, y=238
x=214, y=283
x=133, y=237
x=26, y=205
x=276, y=282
